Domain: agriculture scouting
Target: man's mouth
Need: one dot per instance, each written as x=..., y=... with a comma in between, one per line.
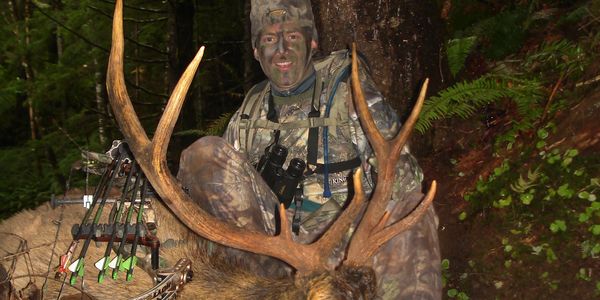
x=284, y=65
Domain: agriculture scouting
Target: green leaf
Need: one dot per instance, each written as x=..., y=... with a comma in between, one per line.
x=583, y=195
x=571, y=153
x=595, y=229
x=558, y=225
x=504, y=202
x=445, y=264
x=567, y=161
x=452, y=293
x=536, y=250
x=564, y=191
x=540, y=144
x=462, y=296
x=583, y=217
x=526, y=198
x=462, y=216
x=550, y=255
x=542, y=133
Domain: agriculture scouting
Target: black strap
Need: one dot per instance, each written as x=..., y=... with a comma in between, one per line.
x=313, y=132
x=297, y=211
x=338, y=166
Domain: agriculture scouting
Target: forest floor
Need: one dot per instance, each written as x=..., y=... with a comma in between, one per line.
x=478, y=265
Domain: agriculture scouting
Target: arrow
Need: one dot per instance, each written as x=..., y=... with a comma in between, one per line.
x=116, y=218
x=136, y=186
x=114, y=171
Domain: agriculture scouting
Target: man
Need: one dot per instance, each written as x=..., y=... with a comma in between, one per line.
x=305, y=107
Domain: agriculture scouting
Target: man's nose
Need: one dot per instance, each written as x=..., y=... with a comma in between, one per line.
x=282, y=45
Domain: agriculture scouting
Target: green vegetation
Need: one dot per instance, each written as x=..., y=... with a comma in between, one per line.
x=53, y=103
x=539, y=205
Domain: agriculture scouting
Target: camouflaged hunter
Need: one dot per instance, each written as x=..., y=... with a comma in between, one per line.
x=306, y=106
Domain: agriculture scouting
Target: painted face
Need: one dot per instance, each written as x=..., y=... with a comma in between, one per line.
x=284, y=53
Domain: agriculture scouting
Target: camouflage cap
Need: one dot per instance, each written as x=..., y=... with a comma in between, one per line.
x=267, y=12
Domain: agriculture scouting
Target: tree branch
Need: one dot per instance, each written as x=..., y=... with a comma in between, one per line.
x=92, y=43
x=160, y=19
x=151, y=10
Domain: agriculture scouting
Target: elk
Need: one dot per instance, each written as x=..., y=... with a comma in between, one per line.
x=314, y=277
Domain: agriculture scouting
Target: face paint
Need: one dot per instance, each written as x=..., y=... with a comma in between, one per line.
x=284, y=52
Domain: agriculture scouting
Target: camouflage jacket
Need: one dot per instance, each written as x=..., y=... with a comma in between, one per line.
x=250, y=132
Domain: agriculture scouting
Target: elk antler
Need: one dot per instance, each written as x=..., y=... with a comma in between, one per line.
x=371, y=232
x=151, y=156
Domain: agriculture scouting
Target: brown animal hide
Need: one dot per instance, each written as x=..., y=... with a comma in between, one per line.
x=24, y=268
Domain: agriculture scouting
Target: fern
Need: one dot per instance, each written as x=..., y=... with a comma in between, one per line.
x=461, y=99
x=522, y=184
x=218, y=126
x=215, y=128
x=457, y=51
x=465, y=98
x=561, y=55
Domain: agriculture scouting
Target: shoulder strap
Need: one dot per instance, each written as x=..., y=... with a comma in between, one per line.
x=251, y=109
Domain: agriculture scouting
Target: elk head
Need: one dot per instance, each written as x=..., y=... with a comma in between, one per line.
x=372, y=231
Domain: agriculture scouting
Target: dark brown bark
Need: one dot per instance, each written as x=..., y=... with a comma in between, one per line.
x=400, y=39
x=181, y=50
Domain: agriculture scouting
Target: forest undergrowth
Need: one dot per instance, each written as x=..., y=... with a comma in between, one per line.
x=519, y=207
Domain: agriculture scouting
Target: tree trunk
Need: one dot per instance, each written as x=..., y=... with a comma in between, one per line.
x=181, y=51
x=401, y=40
x=100, y=102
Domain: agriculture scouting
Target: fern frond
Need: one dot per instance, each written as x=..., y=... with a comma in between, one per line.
x=215, y=128
x=461, y=99
x=218, y=126
x=457, y=51
x=522, y=185
x=465, y=98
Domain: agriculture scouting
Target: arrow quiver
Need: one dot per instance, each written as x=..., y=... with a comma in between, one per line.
x=130, y=223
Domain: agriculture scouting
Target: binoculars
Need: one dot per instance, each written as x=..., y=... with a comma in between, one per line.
x=283, y=182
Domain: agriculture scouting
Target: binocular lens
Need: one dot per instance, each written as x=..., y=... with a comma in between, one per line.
x=279, y=153
x=296, y=167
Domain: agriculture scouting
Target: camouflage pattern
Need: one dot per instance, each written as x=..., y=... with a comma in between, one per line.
x=268, y=12
x=223, y=181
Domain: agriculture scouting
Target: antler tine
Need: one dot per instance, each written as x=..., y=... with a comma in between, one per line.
x=173, y=108
x=334, y=235
x=115, y=85
x=408, y=126
x=357, y=257
x=371, y=232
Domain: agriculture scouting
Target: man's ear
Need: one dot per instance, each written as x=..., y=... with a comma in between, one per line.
x=255, y=54
x=314, y=45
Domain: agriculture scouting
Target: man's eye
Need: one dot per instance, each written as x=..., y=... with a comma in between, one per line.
x=268, y=40
x=293, y=36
